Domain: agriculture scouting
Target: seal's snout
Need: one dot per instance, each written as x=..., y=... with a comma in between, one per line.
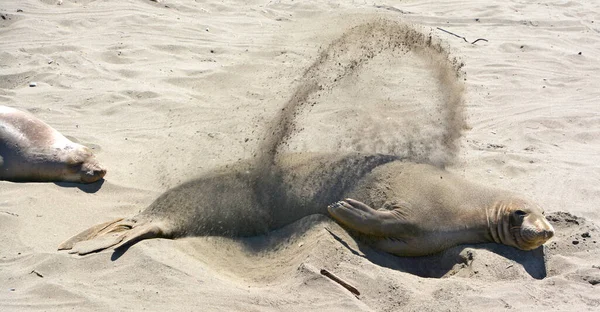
x=92, y=172
x=548, y=234
x=545, y=228
x=548, y=231
x=100, y=173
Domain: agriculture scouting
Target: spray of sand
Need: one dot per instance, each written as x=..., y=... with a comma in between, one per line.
x=345, y=57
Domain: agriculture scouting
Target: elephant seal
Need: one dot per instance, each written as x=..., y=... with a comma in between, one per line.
x=425, y=209
x=32, y=151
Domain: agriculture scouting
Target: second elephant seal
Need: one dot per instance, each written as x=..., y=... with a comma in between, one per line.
x=32, y=151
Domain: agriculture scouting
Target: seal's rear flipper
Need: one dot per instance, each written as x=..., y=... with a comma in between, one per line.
x=116, y=233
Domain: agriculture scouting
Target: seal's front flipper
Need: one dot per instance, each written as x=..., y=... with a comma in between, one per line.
x=117, y=233
x=360, y=217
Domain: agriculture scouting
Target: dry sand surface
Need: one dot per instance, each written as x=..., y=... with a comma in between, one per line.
x=167, y=91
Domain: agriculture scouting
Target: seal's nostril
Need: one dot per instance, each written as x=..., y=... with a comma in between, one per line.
x=548, y=234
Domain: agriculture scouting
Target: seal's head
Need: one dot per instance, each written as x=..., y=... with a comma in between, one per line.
x=521, y=224
x=82, y=166
x=529, y=226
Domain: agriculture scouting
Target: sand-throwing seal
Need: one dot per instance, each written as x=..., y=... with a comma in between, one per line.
x=431, y=209
x=32, y=151
x=425, y=209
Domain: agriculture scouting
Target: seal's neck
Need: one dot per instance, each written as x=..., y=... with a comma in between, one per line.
x=498, y=218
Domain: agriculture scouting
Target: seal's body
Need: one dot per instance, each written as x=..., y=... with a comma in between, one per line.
x=32, y=151
x=424, y=209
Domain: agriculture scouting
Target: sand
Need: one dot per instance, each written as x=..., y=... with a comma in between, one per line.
x=164, y=92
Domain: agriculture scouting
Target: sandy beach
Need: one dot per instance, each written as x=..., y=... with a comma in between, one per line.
x=164, y=92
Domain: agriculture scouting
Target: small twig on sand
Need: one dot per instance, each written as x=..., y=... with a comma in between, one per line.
x=37, y=273
x=480, y=39
x=336, y=279
x=463, y=38
x=10, y=213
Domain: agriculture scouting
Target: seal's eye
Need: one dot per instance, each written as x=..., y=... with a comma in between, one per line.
x=520, y=213
x=517, y=217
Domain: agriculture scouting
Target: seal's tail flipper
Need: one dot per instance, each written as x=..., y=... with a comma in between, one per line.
x=116, y=233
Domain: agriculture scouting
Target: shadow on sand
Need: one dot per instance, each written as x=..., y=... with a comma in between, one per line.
x=88, y=188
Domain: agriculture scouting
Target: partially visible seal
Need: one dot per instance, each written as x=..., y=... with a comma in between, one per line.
x=32, y=151
x=424, y=209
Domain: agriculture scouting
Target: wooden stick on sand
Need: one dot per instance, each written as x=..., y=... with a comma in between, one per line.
x=336, y=279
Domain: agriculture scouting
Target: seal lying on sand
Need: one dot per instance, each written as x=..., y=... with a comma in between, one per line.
x=32, y=151
x=425, y=209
